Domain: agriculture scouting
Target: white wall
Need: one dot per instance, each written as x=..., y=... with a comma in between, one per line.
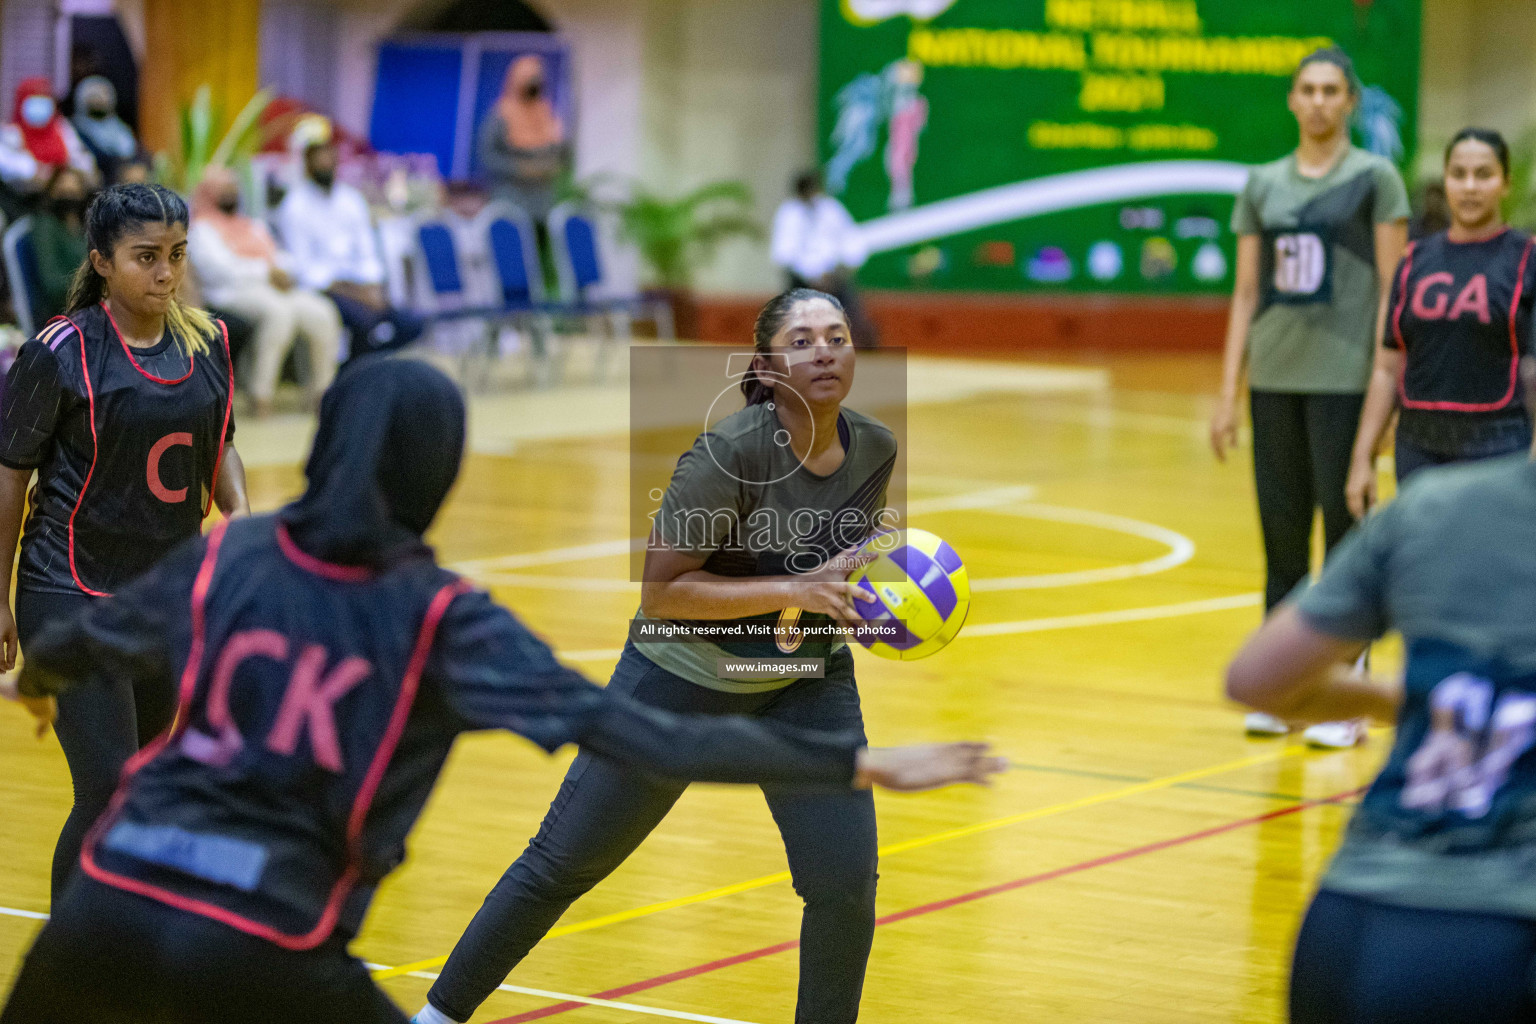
x=1477, y=68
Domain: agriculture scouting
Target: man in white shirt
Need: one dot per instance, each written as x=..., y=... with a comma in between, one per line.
x=818, y=245
x=326, y=226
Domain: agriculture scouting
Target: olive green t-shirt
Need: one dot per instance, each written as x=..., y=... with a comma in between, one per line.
x=1451, y=564
x=740, y=499
x=1315, y=327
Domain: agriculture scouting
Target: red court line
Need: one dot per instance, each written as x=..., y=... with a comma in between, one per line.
x=944, y=904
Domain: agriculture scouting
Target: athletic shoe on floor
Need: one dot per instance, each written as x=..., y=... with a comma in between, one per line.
x=1259, y=724
x=1336, y=735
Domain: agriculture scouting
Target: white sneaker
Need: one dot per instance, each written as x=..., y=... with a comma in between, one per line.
x=1259, y=724
x=1336, y=735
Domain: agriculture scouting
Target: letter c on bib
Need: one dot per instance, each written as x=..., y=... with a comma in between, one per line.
x=152, y=473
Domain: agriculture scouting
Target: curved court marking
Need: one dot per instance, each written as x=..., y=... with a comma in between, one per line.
x=1124, y=792
x=499, y=570
x=1180, y=548
x=1148, y=613
x=945, y=904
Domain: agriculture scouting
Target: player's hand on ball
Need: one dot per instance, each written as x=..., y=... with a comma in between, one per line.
x=927, y=766
x=827, y=590
x=43, y=709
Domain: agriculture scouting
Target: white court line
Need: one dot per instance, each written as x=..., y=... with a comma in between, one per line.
x=1109, y=618
x=30, y=915
x=1180, y=549
x=1157, y=611
x=566, y=997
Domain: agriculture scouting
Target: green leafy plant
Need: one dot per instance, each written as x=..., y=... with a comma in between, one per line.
x=1520, y=207
x=676, y=237
x=198, y=151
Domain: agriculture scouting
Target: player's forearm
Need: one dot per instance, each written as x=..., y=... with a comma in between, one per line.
x=705, y=595
x=229, y=488
x=1380, y=401
x=1235, y=352
x=13, y=501
x=1337, y=694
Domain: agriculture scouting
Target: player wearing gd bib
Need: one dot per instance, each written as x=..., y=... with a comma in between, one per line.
x=1319, y=233
x=794, y=448
x=1428, y=912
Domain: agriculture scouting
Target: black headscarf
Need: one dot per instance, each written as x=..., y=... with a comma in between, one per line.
x=388, y=449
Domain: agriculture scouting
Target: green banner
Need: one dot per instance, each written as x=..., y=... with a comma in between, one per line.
x=1080, y=145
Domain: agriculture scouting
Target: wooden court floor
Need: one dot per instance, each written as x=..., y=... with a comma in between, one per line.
x=1142, y=861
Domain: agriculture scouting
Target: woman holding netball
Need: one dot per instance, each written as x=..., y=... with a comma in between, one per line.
x=326, y=663
x=793, y=449
x=1319, y=233
x=1458, y=322
x=122, y=408
x=1427, y=914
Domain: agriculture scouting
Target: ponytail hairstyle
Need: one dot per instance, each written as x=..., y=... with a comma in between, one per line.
x=1330, y=55
x=1488, y=137
x=115, y=212
x=769, y=320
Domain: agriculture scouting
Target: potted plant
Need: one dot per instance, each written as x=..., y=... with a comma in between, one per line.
x=198, y=151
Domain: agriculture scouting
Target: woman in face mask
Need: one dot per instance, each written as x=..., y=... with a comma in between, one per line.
x=58, y=239
x=105, y=134
x=38, y=140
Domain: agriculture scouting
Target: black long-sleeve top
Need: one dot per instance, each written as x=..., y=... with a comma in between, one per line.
x=317, y=706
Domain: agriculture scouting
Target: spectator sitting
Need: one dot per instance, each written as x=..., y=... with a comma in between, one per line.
x=522, y=145
x=106, y=135
x=240, y=268
x=38, y=140
x=326, y=226
x=817, y=244
x=58, y=239
x=134, y=171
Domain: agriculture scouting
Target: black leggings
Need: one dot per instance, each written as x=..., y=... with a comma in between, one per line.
x=102, y=723
x=1301, y=450
x=1363, y=962
x=604, y=810
x=109, y=957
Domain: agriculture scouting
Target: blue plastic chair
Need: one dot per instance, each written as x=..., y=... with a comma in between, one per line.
x=578, y=261
x=21, y=272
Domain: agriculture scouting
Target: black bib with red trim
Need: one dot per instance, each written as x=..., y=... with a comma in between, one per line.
x=1461, y=312
x=135, y=454
x=284, y=792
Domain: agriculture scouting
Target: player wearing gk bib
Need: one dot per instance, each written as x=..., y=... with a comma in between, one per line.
x=715, y=557
x=1428, y=912
x=1319, y=233
x=1459, y=320
x=123, y=409
x=325, y=665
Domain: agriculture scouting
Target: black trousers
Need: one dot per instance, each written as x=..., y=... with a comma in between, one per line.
x=604, y=810
x=1362, y=962
x=110, y=957
x=1301, y=451
x=102, y=723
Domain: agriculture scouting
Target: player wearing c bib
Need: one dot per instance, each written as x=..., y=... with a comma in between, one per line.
x=1319, y=233
x=1459, y=321
x=122, y=407
x=1428, y=912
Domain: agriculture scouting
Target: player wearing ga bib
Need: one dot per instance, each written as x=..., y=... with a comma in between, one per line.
x=126, y=443
x=1461, y=315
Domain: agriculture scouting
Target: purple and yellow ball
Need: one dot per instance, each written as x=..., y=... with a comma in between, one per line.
x=916, y=584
